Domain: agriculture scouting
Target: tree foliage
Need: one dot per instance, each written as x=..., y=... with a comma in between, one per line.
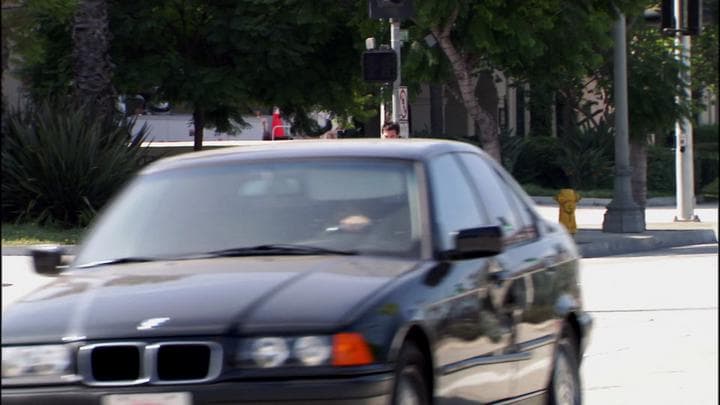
x=551, y=44
x=226, y=57
x=704, y=59
x=40, y=44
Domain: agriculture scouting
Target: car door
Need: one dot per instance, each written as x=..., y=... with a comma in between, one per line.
x=527, y=260
x=549, y=275
x=472, y=334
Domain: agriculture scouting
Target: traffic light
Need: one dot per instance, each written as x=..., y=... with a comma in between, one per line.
x=395, y=9
x=379, y=66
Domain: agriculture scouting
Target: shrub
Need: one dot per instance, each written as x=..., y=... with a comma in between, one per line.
x=511, y=147
x=706, y=134
x=586, y=157
x=705, y=141
x=536, y=163
x=660, y=169
x=711, y=190
x=61, y=163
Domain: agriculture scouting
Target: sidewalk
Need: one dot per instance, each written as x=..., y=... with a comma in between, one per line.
x=661, y=231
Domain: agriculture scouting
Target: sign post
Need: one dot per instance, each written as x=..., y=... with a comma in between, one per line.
x=395, y=11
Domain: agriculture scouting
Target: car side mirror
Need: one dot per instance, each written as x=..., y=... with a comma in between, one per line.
x=48, y=260
x=478, y=242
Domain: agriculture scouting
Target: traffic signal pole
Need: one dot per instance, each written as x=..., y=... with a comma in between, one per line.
x=684, y=170
x=395, y=11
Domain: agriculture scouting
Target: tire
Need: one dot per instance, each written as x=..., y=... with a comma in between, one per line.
x=411, y=387
x=565, y=386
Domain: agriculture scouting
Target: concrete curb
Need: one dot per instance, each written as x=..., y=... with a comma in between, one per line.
x=603, y=202
x=595, y=243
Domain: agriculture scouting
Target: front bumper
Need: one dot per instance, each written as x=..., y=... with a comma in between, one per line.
x=370, y=390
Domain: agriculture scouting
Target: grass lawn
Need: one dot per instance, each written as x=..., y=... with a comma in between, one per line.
x=30, y=234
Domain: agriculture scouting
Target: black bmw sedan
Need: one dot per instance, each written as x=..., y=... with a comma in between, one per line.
x=310, y=272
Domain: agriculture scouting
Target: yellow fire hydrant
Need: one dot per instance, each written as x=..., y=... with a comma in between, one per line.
x=568, y=199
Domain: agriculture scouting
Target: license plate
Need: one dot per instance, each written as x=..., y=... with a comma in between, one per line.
x=165, y=398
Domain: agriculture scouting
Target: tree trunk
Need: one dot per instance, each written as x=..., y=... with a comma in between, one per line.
x=638, y=178
x=199, y=127
x=92, y=68
x=489, y=131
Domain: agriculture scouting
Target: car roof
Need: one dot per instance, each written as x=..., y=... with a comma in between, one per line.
x=408, y=149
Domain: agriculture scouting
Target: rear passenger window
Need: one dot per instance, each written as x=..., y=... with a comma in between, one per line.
x=454, y=200
x=504, y=207
x=491, y=194
x=518, y=204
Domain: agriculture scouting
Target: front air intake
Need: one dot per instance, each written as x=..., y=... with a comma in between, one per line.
x=180, y=362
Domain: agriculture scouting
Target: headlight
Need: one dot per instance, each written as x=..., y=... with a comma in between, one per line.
x=35, y=361
x=270, y=351
x=342, y=349
x=312, y=350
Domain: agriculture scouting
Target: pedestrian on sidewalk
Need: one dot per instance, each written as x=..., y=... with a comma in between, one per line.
x=263, y=125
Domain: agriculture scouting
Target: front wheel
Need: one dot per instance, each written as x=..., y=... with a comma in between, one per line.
x=565, y=386
x=410, y=383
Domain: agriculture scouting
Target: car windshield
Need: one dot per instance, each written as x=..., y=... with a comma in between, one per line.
x=320, y=206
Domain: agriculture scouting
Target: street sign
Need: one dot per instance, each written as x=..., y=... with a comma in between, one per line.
x=403, y=112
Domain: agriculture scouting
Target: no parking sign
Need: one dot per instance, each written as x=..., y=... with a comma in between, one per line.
x=403, y=114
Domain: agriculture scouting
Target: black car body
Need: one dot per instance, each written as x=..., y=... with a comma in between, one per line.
x=235, y=276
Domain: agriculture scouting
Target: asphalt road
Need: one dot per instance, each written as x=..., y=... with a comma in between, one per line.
x=655, y=339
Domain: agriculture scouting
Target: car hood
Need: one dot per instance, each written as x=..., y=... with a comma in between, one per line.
x=199, y=297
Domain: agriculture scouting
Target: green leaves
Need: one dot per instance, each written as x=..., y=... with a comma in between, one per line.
x=653, y=83
x=228, y=57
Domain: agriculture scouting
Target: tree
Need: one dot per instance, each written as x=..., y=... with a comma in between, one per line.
x=226, y=57
x=704, y=54
x=551, y=44
x=654, y=83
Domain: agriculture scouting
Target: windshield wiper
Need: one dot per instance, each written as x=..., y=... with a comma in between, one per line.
x=120, y=260
x=279, y=249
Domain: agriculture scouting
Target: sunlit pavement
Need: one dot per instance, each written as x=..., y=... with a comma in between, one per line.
x=655, y=339
x=18, y=278
x=655, y=217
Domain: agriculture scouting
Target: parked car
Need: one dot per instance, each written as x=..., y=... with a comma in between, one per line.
x=344, y=272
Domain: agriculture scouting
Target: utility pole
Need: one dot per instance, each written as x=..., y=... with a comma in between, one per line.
x=623, y=214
